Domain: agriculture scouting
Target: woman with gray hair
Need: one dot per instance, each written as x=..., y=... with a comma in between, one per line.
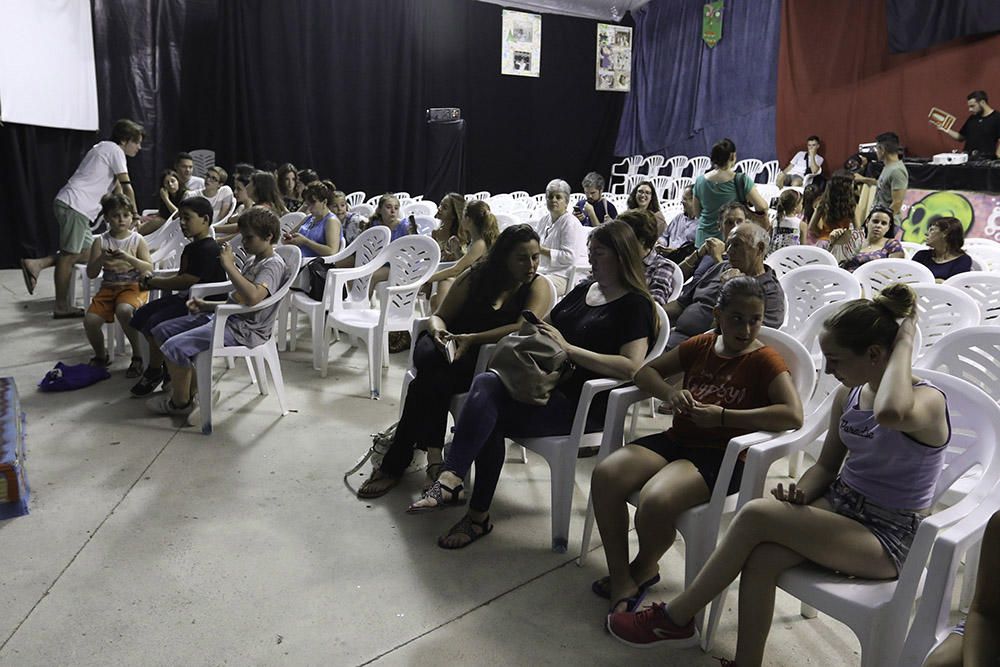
x=558, y=231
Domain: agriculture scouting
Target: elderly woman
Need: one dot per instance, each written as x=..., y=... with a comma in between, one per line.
x=558, y=231
x=720, y=186
x=691, y=314
x=945, y=257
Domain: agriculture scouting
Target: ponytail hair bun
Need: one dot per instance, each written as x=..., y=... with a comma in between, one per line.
x=898, y=299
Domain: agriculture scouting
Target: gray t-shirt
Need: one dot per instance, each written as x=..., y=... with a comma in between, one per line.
x=701, y=294
x=894, y=177
x=253, y=329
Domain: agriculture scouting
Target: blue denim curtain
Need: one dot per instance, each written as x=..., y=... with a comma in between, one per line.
x=914, y=26
x=686, y=96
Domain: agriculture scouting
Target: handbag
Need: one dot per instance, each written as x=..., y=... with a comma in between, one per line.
x=381, y=442
x=316, y=270
x=530, y=364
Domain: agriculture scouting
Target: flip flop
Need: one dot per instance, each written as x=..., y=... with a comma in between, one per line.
x=30, y=279
x=601, y=586
x=69, y=314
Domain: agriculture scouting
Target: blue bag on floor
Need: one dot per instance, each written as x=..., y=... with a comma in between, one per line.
x=67, y=378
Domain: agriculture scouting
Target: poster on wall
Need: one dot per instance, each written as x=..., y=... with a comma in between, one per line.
x=520, y=43
x=614, y=57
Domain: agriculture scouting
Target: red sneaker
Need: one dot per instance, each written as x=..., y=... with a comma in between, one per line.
x=651, y=627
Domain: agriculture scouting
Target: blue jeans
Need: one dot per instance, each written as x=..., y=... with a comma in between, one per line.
x=489, y=415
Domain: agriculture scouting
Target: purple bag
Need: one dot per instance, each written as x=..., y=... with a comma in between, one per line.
x=67, y=378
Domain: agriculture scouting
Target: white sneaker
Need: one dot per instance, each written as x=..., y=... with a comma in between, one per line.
x=161, y=404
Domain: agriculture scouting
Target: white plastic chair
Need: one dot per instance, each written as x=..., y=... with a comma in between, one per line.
x=365, y=249
x=355, y=198
x=809, y=287
x=482, y=195
x=931, y=624
x=980, y=241
x=988, y=255
x=264, y=355
x=770, y=170
x=700, y=525
x=519, y=194
x=366, y=210
x=675, y=166
x=878, y=611
x=426, y=224
x=751, y=167
x=942, y=309
x=560, y=451
x=623, y=170
x=910, y=248
x=678, y=186
x=505, y=220
x=699, y=165
x=792, y=257
x=879, y=273
x=412, y=260
x=290, y=220
x=419, y=208
x=203, y=159
x=768, y=191
x=661, y=184
x=652, y=165
x=985, y=289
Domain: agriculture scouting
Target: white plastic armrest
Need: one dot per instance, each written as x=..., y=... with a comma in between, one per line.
x=619, y=401
x=336, y=281
x=165, y=273
x=485, y=355
x=202, y=290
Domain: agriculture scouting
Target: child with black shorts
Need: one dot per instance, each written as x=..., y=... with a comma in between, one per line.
x=199, y=264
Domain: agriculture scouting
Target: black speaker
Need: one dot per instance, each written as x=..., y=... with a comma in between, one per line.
x=445, y=158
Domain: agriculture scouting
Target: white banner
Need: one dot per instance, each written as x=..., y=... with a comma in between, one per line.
x=47, y=71
x=520, y=43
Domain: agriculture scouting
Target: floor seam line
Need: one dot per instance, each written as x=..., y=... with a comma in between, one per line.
x=90, y=537
x=469, y=611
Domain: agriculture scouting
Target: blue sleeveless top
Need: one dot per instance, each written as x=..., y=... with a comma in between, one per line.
x=314, y=231
x=886, y=466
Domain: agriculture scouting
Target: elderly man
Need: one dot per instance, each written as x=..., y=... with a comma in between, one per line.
x=746, y=246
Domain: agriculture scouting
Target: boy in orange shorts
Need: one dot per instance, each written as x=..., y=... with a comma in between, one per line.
x=123, y=255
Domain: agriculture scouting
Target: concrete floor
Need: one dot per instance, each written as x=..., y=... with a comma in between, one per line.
x=151, y=544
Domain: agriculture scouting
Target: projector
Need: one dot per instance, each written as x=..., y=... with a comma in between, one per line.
x=443, y=114
x=950, y=158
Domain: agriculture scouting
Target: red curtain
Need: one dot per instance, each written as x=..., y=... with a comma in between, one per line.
x=837, y=79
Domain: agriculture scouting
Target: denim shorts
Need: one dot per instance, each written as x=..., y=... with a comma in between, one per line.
x=894, y=529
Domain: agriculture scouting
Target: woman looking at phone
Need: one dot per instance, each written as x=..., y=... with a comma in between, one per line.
x=484, y=305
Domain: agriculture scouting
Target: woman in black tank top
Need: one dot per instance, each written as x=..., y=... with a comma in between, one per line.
x=483, y=306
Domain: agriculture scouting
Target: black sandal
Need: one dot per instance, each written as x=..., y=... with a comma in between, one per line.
x=468, y=528
x=437, y=494
x=433, y=471
x=148, y=383
x=365, y=491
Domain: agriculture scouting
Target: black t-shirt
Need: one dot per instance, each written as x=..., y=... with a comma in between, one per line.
x=201, y=259
x=603, y=329
x=981, y=135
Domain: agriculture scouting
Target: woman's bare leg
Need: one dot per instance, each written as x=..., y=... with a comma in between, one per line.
x=811, y=531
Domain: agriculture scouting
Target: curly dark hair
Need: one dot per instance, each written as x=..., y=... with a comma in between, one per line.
x=654, y=203
x=838, y=201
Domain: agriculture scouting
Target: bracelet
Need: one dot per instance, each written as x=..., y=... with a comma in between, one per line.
x=722, y=418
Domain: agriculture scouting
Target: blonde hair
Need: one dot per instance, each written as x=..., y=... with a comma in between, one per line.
x=865, y=322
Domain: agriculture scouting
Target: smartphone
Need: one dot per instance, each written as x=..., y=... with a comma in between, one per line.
x=450, y=349
x=530, y=316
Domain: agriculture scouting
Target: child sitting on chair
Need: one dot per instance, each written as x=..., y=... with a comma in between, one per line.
x=123, y=256
x=199, y=264
x=183, y=338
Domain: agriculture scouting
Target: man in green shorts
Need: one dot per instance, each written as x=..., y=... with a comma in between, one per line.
x=101, y=171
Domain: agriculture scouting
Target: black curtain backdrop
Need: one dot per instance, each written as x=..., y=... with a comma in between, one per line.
x=342, y=87
x=141, y=48
x=337, y=86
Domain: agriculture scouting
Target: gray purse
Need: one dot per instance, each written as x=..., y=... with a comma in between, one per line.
x=530, y=364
